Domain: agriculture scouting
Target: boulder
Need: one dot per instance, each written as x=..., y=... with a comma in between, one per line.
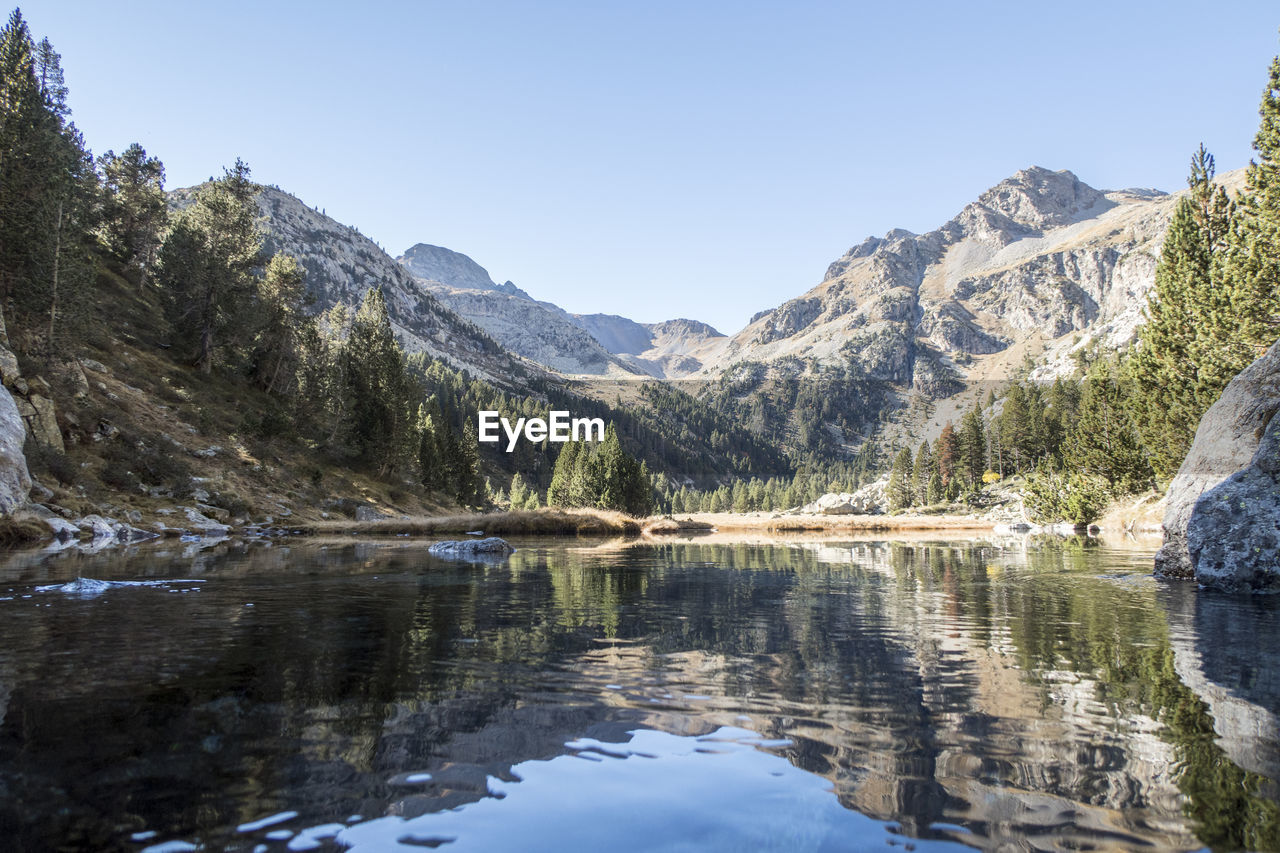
x=15, y=480
x=41, y=421
x=105, y=529
x=8, y=366
x=869, y=500
x=368, y=513
x=1222, y=522
x=205, y=525
x=469, y=548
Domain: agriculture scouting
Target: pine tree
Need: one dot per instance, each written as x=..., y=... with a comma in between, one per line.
x=381, y=392
x=1104, y=441
x=1015, y=429
x=519, y=491
x=946, y=454
x=134, y=208
x=280, y=319
x=1253, y=259
x=48, y=192
x=1189, y=346
x=469, y=486
x=899, y=492
x=920, y=473
x=561, y=491
x=973, y=448
x=25, y=168
x=432, y=447
x=207, y=265
x=936, y=491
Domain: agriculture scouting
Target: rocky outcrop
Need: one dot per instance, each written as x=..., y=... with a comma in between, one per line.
x=41, y=419
x=15, y=480
x=1222, y=524
x=204, y=525
x=539, y=331
x=871, y=499
x=670, y=349
x=436, y=263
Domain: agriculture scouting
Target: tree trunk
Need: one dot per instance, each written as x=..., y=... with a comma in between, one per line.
x=57, y=251
x=204, y=360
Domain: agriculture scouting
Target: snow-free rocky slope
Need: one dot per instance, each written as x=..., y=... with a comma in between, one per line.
x=1040, y=264
x=539, y=331
x=577, y=344
x=670, y=349
x=341, y=264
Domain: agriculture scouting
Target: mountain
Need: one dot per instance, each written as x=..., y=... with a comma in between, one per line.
x=668, y=350
x=341, y=264
x=454, y=269
x=1038, y=265
x=540, y=331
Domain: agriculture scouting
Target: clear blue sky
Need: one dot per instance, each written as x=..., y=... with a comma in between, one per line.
x=661, y=159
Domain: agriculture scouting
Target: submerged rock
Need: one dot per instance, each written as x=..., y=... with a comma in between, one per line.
x=490, y=547
x=1222, y=524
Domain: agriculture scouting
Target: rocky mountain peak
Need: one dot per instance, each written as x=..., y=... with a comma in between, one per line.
x=1039, y=198
x=436, y=263
x=686, y=327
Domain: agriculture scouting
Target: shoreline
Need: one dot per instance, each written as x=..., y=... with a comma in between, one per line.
x=571, y=523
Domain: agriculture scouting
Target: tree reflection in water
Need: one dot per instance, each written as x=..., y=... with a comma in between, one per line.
x=1019, y=693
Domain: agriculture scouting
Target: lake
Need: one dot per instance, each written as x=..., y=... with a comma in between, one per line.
x=1010, y=694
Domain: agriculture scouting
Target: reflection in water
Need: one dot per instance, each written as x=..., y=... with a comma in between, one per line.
x=1010, y=695
x=715, y=792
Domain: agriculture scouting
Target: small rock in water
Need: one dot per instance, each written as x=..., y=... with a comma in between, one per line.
x=492, y=546
x=85, y=587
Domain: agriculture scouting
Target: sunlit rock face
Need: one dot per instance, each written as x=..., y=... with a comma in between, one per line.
x=1039, y=265
x=1222, y=523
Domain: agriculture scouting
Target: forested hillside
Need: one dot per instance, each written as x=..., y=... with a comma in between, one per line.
x=231, y=345
x=260, y=345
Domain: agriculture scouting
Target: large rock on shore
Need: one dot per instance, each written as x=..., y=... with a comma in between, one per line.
x=1222, y=524
x=15, y=480
x=871, y=499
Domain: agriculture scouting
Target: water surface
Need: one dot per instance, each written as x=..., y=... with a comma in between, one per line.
x=583, y=695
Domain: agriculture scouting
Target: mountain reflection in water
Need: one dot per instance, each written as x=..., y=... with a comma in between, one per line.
x=1020, y=694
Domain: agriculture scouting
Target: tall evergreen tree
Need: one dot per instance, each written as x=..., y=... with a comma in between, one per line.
x=48, y=189
x=973, y=448
x=1014, y=427
x=208, y=263
x=946, y=454
x=380, y=389
x=1253, y=259
x=134, y=208
x=280, y=323
x=899, y=492
x=920, y=473
x=1188, y=347
x=1104, y=441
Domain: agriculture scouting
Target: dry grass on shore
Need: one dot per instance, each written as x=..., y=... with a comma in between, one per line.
x=594, y=522
x=543, y=522
x=771, y=523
